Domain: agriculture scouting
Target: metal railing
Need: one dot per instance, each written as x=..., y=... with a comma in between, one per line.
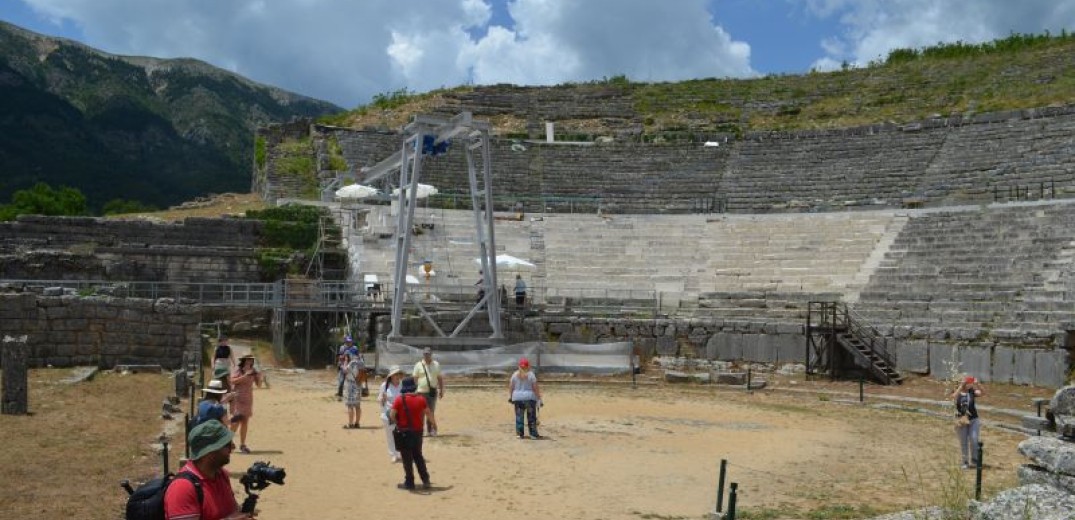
x=328, y=294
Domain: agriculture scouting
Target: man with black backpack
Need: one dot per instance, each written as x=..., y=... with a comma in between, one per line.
x=208, y=495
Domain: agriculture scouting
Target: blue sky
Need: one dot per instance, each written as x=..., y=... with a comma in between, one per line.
x=346, y=51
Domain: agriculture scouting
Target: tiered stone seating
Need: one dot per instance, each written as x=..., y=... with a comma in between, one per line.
x=722, y=265
x=1021, y=148
x=977, y=269
x=828, y=169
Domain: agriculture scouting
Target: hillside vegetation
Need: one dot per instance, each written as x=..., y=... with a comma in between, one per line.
x=1021, y=71
x=154, y=131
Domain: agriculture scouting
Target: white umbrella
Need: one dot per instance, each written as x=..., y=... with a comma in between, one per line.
x=356, y=191
x=424, y=190
x=509, y=261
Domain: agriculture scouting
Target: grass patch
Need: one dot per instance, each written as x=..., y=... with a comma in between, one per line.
x=66, y=459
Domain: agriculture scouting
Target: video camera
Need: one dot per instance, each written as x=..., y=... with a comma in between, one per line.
x=256, y=478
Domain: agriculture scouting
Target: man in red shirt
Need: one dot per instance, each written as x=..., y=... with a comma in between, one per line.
x=407, y=413
x=210, y=450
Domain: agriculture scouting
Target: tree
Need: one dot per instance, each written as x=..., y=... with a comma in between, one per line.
x=42, y=199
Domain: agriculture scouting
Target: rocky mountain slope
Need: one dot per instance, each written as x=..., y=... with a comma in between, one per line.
x=158, y=131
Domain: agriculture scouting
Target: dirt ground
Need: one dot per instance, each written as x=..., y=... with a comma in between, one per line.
x=805, y=450
x=616, y=452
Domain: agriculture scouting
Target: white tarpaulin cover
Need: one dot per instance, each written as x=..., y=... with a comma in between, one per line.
x=508, y=261
x=356, y=191
x=423, y=191
x=545, y=357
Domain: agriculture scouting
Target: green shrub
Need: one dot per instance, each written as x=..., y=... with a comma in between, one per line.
x=259, y=152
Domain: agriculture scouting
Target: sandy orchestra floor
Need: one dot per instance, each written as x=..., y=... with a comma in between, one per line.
x=611, y=452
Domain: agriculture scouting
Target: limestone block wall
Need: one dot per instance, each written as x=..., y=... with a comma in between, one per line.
x=67, y=248
x=91, y=232
x=266, y=181
x=71, y=330
x=752, y=340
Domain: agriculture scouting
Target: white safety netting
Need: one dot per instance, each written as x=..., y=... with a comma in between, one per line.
x=545, y=357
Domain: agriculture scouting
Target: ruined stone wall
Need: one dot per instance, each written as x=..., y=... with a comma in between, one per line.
x=84, y=248
x=267, y=181
x=67, y=331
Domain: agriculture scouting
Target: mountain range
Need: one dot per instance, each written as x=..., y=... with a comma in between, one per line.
x=159, y=131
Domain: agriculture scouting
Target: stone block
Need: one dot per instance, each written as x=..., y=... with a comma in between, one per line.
x=789, y=348
x=1023, y=373
x=729, y=378
x=1053, y=454
x=1063, y=401
x=1050, y=368
x=1003, y=364
x=1029, y=474
x=672, y=376
x=1033, y=422
x=667, y=346
x=729, y=346
x=943, y=360
x=912, y=355
x=751, y=350
x=559, y=328
x=977, y=362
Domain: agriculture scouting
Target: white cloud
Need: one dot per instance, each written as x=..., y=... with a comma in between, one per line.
x=347, y=51
x=873, y=28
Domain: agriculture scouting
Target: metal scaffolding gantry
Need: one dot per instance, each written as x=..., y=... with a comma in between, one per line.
x=428, y=136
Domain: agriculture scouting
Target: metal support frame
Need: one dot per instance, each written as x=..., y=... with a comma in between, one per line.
x=838, y=339
x=475, y=138
x=821, y=332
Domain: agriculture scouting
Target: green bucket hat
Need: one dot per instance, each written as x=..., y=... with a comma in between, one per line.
x=220, y=372
x=208, y=437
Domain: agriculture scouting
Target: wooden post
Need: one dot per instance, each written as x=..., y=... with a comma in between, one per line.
x=15, y=358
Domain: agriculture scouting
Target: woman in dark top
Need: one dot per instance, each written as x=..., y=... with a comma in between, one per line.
x=223, y=357
x=968, y=430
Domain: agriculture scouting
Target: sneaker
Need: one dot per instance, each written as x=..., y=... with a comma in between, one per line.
x=395, y=459
x=404, y=485
x=426, y=485
x=965, y=466
x=521, y=436
x=432, y=433
x=244, y=449
x=535, y=436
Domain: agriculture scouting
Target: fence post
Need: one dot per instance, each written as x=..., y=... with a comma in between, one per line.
x=732, y=496
x=748, y=379
x=720, y=485
x=164, y=454
x=862, y=397
x=15, y=356
x=186, y=434
x=978, y=474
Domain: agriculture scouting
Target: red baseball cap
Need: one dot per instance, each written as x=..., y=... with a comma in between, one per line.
x=525, y=363
x=969, y=380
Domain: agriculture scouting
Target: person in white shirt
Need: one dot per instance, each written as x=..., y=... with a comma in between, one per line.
x=390, y=389
x=427, y=375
